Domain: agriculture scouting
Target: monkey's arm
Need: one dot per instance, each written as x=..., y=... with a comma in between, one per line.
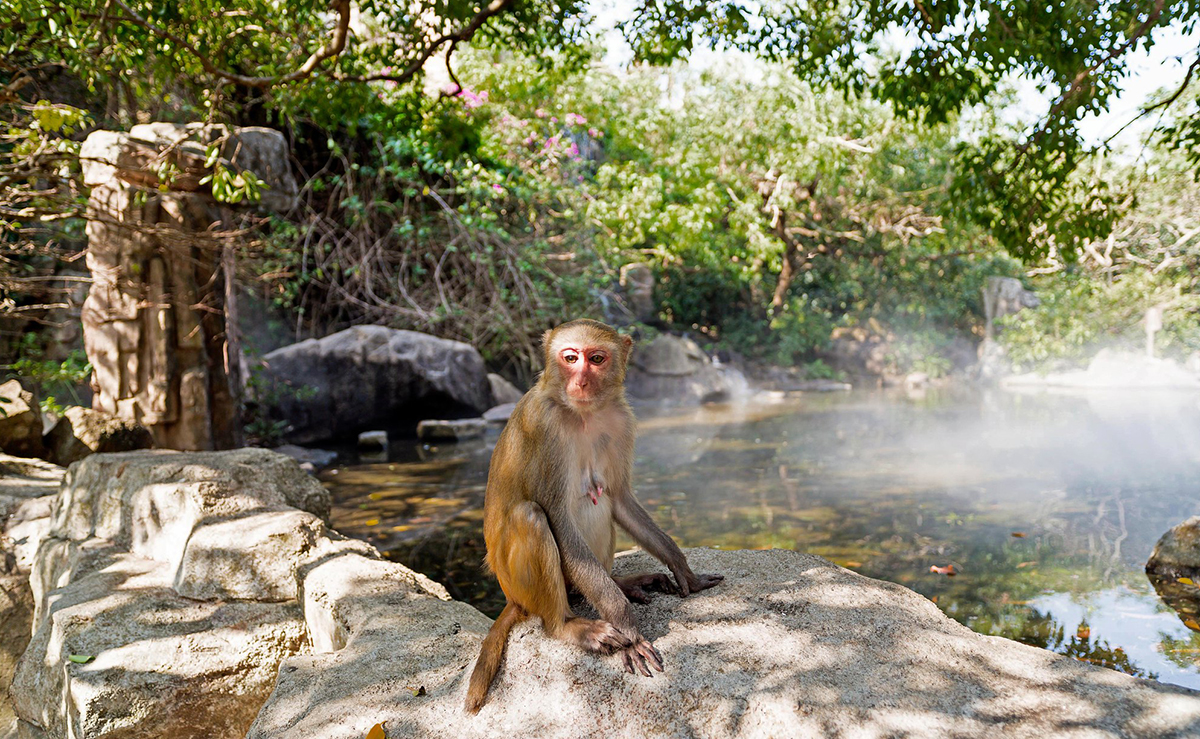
x=631, y=516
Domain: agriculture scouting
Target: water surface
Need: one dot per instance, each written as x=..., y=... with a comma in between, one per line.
x=1046, y=506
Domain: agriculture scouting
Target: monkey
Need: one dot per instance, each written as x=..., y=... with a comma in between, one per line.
x=559, y=483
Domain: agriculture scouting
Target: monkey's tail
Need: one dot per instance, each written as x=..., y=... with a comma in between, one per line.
x=490, y=654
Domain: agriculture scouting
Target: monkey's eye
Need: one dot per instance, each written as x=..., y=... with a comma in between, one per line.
x=570, y=358
x=597, y=358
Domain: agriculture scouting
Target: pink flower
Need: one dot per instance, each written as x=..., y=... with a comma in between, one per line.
x=594, y=133
x=497, y=188
x=574, y=119
x=540, y=113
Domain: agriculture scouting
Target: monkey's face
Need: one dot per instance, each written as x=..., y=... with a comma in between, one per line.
x=590, y=365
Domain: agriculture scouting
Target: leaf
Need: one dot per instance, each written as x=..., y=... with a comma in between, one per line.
x=948, y=570
x=81, y=659
x=1018, y=534
x=1022, y=565
x=1083, y=632
x=377, y=732
x=372, y=521
x=1191, y=624
x=417, y=692
x=1185, y=581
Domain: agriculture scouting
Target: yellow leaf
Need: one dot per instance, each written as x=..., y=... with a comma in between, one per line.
x=1191, y=624
x=372, y=521
x=376, y=732
x=375, y=496
x=401, y=528
x=1185, y=581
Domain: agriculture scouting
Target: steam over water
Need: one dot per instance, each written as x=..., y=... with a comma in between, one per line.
x=1047, y=506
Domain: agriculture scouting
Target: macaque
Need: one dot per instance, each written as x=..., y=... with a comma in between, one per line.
x=559, y=484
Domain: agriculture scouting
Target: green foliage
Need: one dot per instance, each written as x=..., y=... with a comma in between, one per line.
x=52, y=380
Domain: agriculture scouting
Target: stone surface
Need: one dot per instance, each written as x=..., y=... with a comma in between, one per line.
x=1004, y=296
x=459, y=430
x=154, y=319
x=675, y=370
x=1177, y=553
x=20, y=422
x=788, y=645
x=83, y=431
x=1114, y=369
x=500, y=414
x=164, y=666
x=637, y=289
x=503, y=391
x=373, y=441
x=22, y=478
x=371, y=377
x=310, y=460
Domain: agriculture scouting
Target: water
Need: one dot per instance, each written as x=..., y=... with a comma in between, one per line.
x=1046, y=506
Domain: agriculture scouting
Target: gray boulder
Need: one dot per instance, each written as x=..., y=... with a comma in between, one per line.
x=788, y=645
x=1177, y=553
x=458, y=430
x=674, y=370
x=83, y=431
x=310, y=460
x=500, y=414
x=20, y=422
x=503, y=391
x=371, y=377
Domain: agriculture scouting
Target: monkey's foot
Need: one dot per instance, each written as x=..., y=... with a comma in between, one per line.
x=594, y=636
x=642, y=655
x=635, y=586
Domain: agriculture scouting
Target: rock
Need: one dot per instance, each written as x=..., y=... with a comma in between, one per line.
x=788, y=645
x=637, y=287
x=373, y=441
x=16, y=622
x=22, y=478
x=500, y=414
x=20, y=422
x=1004, y=296
x=916, y=380
x=1114, y=369
x=310, y=460
x=83, y=431
x=460, y=430
x=164, y=665
x=503, y=391
x=25, y=528
x=674, y=370
x=370, y=377
x=1177, y=553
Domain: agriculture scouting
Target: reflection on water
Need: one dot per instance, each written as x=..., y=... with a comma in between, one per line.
x=1047, y=506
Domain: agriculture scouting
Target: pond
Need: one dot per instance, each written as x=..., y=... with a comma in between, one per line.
x=1045, y=506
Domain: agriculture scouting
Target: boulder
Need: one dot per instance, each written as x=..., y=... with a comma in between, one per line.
x=22, y=479
x=1004, y=296
x=310, y=460
x=788, y=645
x=637, y=288
x=20, y=422
x=83, y=431
x=371, y=377
x=674, y=370
x=1177, y=553
x=503, y=391
x=459, y=430
x=165, y=592
x=373, y=441
x=500, y=414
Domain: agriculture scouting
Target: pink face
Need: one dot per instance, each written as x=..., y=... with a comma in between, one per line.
x=584, y=368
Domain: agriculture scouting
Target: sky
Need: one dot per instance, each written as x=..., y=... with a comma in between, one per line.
x=1161, y=67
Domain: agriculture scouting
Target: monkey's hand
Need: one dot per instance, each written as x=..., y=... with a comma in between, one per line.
x=641, y=655
x=689, y=582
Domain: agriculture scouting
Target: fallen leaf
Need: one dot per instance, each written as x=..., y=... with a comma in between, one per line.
x=1185, y=581
x=81, y=659
x=854, y=564
x=372, y=521
x=1191, y=624
x=934, y=599
x=1083, y=632
x=375, y=496
x=1018, y=534
x=401, y=528
x=1021, y=565
x=376, y=732
x=417, y=692
x=948, y=570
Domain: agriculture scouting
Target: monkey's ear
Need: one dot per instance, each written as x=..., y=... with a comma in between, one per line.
x=627, y=340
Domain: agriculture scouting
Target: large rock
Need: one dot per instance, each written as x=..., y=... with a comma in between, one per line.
x=20, y=422
x=788, y=645
x=22, y=478
x=675, y=370
x=1177, y=553
x=371, y=377
x=503, y=391
x=173, y=578
x=83, y=431
x=1004, y=296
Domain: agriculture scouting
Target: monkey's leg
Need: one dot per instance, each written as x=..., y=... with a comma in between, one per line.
x=635, y=586
x=531, y=576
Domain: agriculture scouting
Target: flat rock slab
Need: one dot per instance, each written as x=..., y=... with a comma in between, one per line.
x=788, y=645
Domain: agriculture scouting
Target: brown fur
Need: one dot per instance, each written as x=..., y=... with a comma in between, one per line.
x=573, y=432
